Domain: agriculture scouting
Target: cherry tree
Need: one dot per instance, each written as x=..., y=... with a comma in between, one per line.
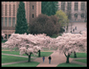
x=31, y=44
x=29, y=51
x=71, y=43
x=27, y=44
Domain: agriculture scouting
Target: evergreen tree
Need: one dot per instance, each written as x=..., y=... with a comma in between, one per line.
x=49, y=8
x=21, y=25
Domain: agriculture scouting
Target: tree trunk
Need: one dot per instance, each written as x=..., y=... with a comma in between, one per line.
x=29, y=57
x=67, y=60
x=67, y=57
x=39, y=54
x=75, y=56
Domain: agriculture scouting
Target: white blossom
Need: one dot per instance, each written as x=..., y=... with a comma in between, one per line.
x=33, y=43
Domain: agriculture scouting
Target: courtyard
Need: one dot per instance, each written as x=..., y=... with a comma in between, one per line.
x=44, y=34
x=13, y=59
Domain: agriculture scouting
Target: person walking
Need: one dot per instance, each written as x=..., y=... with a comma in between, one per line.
x=49, y=59
x=43, y=58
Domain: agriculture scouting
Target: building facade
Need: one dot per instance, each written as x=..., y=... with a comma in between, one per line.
x=76, y=10
x=9, y=13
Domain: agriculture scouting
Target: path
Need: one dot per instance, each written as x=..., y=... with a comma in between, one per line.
x=80, y=63
x=14, y=62
x=56, y=59
x=17, y=61
x=17, y=55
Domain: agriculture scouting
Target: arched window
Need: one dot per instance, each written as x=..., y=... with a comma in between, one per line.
x=82, y=15
x=75, y=15
x=5, y=36
x=9, y=35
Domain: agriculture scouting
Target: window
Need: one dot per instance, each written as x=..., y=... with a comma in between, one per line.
x=5, y=36
x=32, y=15
x=9, y=35
x=9, y=10
x=69, y=6
x=76, y=6
x=5, y=22
x=82, y=6
x=2, y=10
x=33, y=7
x=10, y=22
x=13, y=10
x=63, y=6
x=2, y=21
x=5, y=10
x=13, y=23
x=82, y=15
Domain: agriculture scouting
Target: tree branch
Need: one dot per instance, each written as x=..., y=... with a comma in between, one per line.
x=26, y=53
x=65, y=54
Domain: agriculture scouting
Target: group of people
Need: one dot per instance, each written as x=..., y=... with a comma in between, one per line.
x=48, y=58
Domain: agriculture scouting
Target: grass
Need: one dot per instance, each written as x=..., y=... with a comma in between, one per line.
x=3, y=41
x=81, y=60
x=69, y=65
x=17, y=53
x=26, y=64
x=79, y=55
x=7, y=59
x=11, y=52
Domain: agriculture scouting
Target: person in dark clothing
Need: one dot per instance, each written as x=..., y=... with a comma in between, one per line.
x=49, y=59
x=43, y=58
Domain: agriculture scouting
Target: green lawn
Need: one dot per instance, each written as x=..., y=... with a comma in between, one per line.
x=81, y=60
x=7, y=59
x=69, y=65
x=17, y=53
x=11, y=52
x=26, y=64
x=3, y=41
x=79, y=55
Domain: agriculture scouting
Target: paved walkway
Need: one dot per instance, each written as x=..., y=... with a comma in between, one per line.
x=80, y=63
x=14, y=62
x=56, y=59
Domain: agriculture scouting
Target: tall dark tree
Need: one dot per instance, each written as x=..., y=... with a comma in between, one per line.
x=49, y=8
x=21, y=25
x=45, y=24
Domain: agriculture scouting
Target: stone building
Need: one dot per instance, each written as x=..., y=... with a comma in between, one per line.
x=9, y=13
x=77, y=10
